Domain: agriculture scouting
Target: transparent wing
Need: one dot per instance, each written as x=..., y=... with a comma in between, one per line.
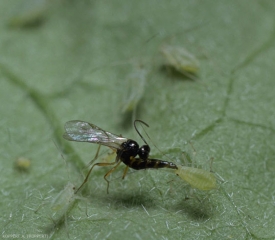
x=80, y=131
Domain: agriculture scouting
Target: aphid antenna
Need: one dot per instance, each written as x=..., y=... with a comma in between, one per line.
x=152, y=37
x=220, y=177
x=61, y=154
x=131, y=60
x=171, y=36
x=59, y=150
x=137, y=120
x=193, y=162
x=211, y=164
x=188, y=160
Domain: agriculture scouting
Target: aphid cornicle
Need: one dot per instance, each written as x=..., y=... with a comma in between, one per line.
x=127, y=150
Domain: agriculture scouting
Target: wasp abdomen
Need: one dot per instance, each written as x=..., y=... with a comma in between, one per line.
x=138, y=163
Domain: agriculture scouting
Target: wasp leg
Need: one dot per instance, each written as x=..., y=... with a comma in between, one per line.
x=95, y=157
x=125, y=172
x=96, y=164
x=109, y=172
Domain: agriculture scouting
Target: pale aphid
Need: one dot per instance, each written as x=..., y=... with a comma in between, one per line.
x=60, y=206
x=30, y=13
x=197, y=178
x=63, y=202
x=137, y=82
x=180, y=59
x=22, y=164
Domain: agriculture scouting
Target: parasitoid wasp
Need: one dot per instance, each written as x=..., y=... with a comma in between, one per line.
x=127, y=150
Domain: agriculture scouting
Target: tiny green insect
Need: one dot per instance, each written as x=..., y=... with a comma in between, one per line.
x=137, y=81
x=197, y=178
x=30, y=13
x=180, y=59
x=22, y=164
x=63, y=202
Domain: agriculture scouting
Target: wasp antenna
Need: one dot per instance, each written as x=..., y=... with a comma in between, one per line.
x=137, y=120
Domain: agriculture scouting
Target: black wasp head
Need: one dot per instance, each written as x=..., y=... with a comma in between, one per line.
x=144, y=151
x=129, y=149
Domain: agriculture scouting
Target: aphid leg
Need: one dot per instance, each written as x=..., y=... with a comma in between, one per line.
x=96, y=164
x=125, y=172
x=186, y=158
x=109, y=172
x=194, y=153
x=194, y=150
x=110, y=155
x=39, y=207
x=211, y=163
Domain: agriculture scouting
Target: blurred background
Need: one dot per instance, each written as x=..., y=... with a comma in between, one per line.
x=200, y=73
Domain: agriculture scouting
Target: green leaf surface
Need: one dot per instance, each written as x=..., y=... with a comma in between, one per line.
x=74, y=64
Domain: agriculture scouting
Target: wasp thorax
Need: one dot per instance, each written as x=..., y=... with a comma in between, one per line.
x=129, y=149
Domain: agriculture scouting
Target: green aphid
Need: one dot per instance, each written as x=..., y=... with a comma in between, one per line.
x=63, y=202
x=22, y=164
x=30, y=14
x=137, y=81
x=197, y=178
x=180, y=59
